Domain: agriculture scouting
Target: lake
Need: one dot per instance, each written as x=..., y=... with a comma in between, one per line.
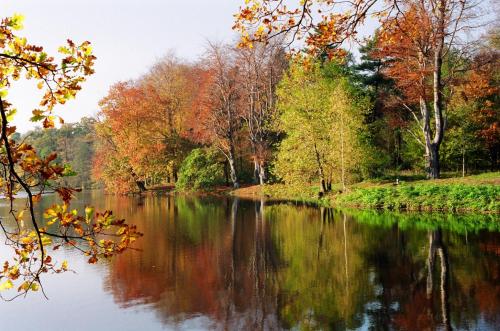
x=230, y=264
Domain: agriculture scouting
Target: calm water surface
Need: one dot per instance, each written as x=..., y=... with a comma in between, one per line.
x=226, y=264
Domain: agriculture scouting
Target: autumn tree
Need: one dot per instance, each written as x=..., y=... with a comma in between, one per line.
x=261, y=68
x=417, y=42
x=124, y=138
x=170, y=87
x=417, y=35
x=94, y=234
x=224, y=119
x=145, y=124
x=473, y=116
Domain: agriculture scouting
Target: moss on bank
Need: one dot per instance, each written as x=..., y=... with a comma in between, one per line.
x=480, y=193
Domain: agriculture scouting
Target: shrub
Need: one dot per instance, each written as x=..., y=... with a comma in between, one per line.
x=200, y=170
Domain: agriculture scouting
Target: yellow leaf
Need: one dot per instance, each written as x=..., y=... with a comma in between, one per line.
x=46, y=241
x=24, y=286
x=26, y=240
x=7, y=285
x=17, y=21
x=64, y=265
x=20, y=215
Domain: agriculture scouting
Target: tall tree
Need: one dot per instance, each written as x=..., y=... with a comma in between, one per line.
x=428, y=29
x=223, y=99
x=148, y=124
x=170, y=89
x=321, y=115
x=416, y=41
x=261, y=68
x=123, y=129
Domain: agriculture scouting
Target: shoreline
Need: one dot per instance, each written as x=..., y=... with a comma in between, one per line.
x=474, y=194
x=479, y=194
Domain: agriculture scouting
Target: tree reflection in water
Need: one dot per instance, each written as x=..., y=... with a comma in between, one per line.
x=257, y=265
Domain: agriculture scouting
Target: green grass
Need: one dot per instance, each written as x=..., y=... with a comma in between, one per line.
x=479, y=193
x=425, y=196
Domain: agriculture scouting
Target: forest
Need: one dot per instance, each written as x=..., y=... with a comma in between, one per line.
x=257, y=115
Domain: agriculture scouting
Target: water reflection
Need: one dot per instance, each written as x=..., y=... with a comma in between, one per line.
x=245, y=265
x=202, y=258
x=231, y=264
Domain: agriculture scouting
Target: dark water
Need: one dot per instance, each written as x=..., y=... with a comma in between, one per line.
x=209, y=263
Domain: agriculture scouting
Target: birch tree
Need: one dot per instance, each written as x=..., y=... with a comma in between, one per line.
x=222, y=102
x=321, y=116
x=261, y=68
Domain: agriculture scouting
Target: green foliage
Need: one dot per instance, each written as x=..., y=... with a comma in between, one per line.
x=472, y=139
x=425, y=196
x=200, y=170
x=381, y=139
x=375, y=160
x=321, y=114
x=74, y=144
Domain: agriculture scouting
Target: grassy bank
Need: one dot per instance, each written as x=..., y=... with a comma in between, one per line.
x=480, y=193
x=451, y=197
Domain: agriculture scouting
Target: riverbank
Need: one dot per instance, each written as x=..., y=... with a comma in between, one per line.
x=478, y=193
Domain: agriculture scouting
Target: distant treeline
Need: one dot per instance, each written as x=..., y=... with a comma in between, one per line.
x=74, y=145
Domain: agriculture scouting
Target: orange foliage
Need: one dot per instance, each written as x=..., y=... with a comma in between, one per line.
x=404, y=44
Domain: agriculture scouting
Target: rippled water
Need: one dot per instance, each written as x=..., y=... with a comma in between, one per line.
x=228, y=264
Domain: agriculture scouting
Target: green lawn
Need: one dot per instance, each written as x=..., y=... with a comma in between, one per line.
x=470, y=193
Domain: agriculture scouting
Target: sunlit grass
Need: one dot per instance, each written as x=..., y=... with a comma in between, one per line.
x=470, y=193
x=425, y=196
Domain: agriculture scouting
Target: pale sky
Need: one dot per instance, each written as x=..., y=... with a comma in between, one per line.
x=127, y=36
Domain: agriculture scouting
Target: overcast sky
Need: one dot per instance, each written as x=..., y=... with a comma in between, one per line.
x=127, y=36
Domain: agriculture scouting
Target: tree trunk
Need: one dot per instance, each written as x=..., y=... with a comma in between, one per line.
x=432, y=143
x=140, y=183
x=433, y=167
x=232, y=168
x=262, y=173
x=342, y=151
x=256, y=170
x=322, y=186
x=463, y=163
x=322, y=182
x=174, y=172
x=259, y=172
x=226, y=172
x=438, y=92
